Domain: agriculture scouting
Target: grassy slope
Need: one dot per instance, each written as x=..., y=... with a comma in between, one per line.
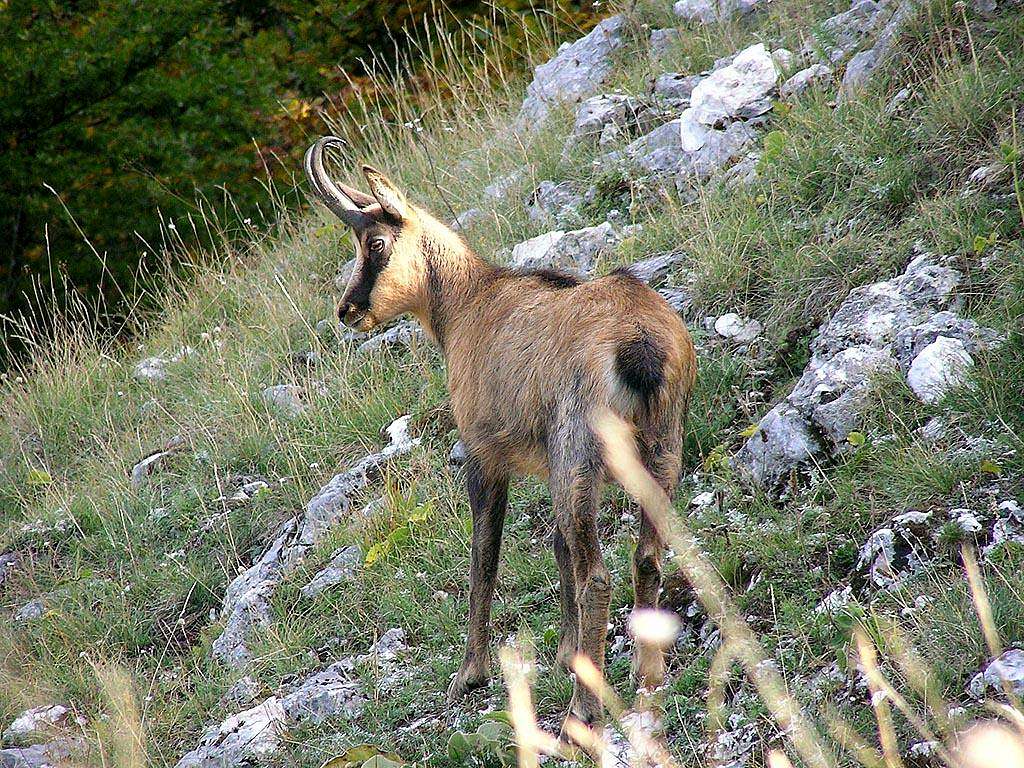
x=851, y=192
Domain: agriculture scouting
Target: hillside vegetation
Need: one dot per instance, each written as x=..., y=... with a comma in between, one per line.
x=849, y=257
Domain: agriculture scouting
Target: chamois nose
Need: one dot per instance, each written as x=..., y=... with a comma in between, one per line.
x=344, y=307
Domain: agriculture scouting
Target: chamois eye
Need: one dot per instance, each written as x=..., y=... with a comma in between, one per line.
x=377, y=245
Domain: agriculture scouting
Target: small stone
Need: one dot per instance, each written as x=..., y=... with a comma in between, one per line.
x=286, y=398
x=36, y=721
x=33, y=609
x=732, y=326
x=656, y=269
x=1008, y=667
x=154, y=369
x=940, y=367
x=404, y=333
x=387, y=647
x=468, y=219
x=813, y=76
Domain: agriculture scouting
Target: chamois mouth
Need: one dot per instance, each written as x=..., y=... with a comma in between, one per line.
x=359, y=319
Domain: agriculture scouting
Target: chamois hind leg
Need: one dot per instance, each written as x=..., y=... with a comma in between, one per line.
x=568, y=639
x=576, y=476
x=488, y=498
x=661, y=457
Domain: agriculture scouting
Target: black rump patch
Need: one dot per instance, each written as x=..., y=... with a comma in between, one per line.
x=640, y=365
x=554, y=278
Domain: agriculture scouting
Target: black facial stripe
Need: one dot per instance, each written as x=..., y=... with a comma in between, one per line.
x=359, y=293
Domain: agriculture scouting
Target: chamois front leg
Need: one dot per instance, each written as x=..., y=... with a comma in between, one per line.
x=488, y=498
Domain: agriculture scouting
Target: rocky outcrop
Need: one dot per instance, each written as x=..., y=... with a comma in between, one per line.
x=575, y=72
x=246, y=604
x=343, y=566
x=258, y=734
x=555, y=203
x=882, y=327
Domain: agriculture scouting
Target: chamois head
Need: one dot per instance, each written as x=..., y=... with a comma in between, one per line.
x=389, y=273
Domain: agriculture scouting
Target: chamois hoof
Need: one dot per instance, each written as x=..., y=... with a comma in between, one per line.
x=466, y=680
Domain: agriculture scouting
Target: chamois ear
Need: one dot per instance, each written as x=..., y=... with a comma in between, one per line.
x=390, y=197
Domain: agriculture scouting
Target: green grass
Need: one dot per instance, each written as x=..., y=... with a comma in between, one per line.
x=851, y=194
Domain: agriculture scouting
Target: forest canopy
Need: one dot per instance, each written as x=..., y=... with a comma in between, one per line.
x=124, y=121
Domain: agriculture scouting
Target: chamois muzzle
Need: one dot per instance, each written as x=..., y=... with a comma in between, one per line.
x=340, y=203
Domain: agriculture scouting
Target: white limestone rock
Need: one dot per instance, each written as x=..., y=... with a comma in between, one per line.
x=940, y=367
x=575, y=72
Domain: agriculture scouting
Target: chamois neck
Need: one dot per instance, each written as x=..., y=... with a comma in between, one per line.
x=454, y=275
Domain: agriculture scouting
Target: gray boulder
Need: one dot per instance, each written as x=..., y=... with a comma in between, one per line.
x=329, y=693
x=31, y=610
x=938, y=368
x=833, y=393
x=843, y=33
x=680, y=299
x=36, y=721
x=576, y=71
x=864, y=64
x=858, y=343
x=52, y=754
x=602, y=118
x=659, y=152
x=909, y=342
x=713, y=11
x=783, y=441
x=674, y=88
x=1007, y=668
x=244, y=738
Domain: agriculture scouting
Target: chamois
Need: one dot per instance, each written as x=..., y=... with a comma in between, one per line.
x=531, y=358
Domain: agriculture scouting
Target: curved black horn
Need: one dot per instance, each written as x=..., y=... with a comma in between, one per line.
x=343, y=206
